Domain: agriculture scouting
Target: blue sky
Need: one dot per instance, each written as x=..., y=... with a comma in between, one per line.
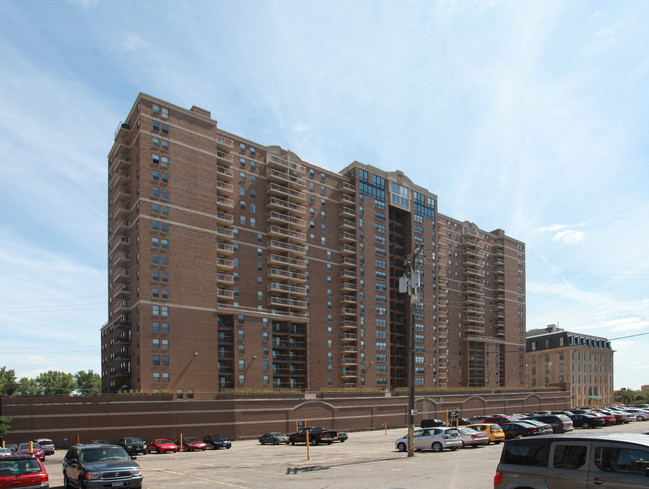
x=525, y=116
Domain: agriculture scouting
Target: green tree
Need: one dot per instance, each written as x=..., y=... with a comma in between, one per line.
x=625, y=396
x=5, y=426
x=50, y=383
x=88, y=383
x=6, y=377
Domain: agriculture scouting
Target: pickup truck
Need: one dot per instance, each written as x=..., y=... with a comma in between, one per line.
x=316, y=436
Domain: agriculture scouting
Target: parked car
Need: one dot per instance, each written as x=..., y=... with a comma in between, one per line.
x=640, y=414
x=586, y=460
x=431, y=423
x=25, y=449
x=435, y=439
x=161, y=445
x=192, y=443
x=586, y=421
x=500, y=419
x=341, y=436
x=541, y=427
x=518, y=430
x=316, y=436
x=5, y=451
x=560, y=422
x=217, y=441
x=23, y=471
x=472, y=438
x=493, y=431
x=91, y=465
x=273, y=438
x=46, y=444
x=133, y=445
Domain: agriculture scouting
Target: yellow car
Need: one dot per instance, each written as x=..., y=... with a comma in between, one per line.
x=493, y=431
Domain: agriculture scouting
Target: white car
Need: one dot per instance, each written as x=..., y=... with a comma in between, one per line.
x=5, y=452
x=435, y=439
x=473, y=438
x=640, y=414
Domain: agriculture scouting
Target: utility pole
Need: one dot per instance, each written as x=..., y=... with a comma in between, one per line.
x=409, y=283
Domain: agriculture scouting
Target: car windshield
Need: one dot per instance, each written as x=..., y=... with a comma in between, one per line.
x=104, y=453
x=161, y=441
x=17, y=467
x=218, y=437
x=133, y=440
x=192, y=439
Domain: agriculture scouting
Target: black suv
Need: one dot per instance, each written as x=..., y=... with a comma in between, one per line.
x=87, y=466
x=133, y=445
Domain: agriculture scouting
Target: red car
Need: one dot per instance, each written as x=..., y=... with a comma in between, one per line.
x=192, y=443
x=161, y=445
x=24, y=449
x=22, y=471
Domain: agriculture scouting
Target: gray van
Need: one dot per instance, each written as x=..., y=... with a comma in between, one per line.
x=583, y=461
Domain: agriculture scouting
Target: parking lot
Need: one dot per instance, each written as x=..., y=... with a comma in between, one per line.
x=366, y=460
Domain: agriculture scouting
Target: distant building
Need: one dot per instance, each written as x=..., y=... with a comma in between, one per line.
x=234, y=265
x=584, y=362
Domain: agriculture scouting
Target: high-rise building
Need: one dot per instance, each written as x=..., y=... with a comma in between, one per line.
x=237, y=265
x=585, y=362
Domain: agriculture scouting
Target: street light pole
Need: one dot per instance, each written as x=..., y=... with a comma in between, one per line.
x=412, y=284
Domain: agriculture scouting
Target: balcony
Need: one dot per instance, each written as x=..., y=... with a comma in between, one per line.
x=122, y=132
x=348, y=274
x=347, y=224
x=347, y=188
x=123, y=164
x=276, y=231
x=472, y=280
x=347, y=337
x=122, y=227
x=348, y=250
x=473, y=252
x=122, y=178
x=225, y=233
x=224, y=173
x=122, y=307
x=122, y=292
x=224, y=144
x=348, y=299
x=274, y=190
x=223, y=188
x=348, y=311
x=225, y=159
x=473, y=272
x=122, y=194
x=291, y=248
x=122, y=150
x=225, y=263
x=283, y=165
x=349, y=324
x=283, y=260
x=347, y=373
x=284, y=178
x=348, y=286
x=222, y=278
x=347, y=237
x=348, y=262
x=349, y=349
x=224, y=293
x=225, y=248
x=472, y=319
x=292, y=303
x=122, y=275
x=346, y=199
x=289, y=289
x=123, y=243
x=122, y=259
x=286, y=274
x=282, y=205
x=225, y=219
x=277, y=218
x=347, y=213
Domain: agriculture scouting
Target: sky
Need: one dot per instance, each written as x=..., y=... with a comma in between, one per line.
x=530, y=117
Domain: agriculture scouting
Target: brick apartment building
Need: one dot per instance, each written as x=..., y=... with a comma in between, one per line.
x=585, y=362
x=237, y=265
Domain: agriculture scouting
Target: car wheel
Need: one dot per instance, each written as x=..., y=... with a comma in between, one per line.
x=437, y=447
x=314, y=441
x=292, y=442
x=275, y=442
x=586, y=425
x=463, y=444
x=228, y=447
x=342, y=441
x=82, y=484
x=262, y=442
x=329, y=442
x=402, y=447
x=66, y=483
x=496, y=442
x=453, y=449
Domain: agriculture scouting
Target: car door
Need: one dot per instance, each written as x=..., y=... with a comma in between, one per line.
x=618, y=465
x=568, y=465
x=71, y=464
x=422, y=439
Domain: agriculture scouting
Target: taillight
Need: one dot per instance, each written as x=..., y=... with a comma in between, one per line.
x=533, y=430
x=560, y=425
x=445, y=437
x=498, y=478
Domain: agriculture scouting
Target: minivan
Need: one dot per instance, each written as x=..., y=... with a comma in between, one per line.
x=586, y=461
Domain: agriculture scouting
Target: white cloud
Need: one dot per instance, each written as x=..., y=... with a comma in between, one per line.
x=554, y=227
x=569, y=236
